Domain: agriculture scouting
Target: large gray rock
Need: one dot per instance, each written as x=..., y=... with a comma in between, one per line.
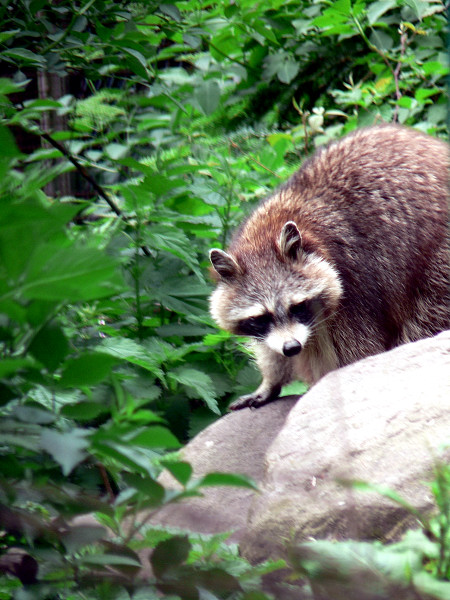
x=237, y=443
x=382, y=420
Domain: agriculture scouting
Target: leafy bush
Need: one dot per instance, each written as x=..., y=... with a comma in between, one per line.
x=418, y=566
x=134, y=137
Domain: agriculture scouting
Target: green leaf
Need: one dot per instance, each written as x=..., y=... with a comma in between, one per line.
x=376, y=9
x=160, y=184
x=387, y=493
x=296, y=388
x=131, y=351
x=422, y=94
x=67, y=449
x=282, y=65
x=24, y=56
x=423, y=8
x=10, y=366
x=173, y=240
x=433, y=67
x=156, y=437
x=169, y=554
x=405, y=102
x=87, y=369
x=152, y=490
x=116, y=151
x=287, y=71
x=83, y=411
x=208, y=96
x=8, y=145
x=49, y=346
x=129, y=456
x=383, y=41
x=185, y=296
x=32, y=414
x=198, y=384
x=171, y=11
x=113, y=560
x=182, y=471
x=228, y=479
x=56, y=273
x=79, y=536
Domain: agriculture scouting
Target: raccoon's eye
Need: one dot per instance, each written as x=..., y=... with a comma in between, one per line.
x=255, y=326
x=302, y=312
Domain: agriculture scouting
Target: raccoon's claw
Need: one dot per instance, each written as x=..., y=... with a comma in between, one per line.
x=255, y=400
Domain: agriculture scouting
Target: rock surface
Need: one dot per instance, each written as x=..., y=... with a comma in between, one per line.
x=237, y=443
x=381, y=420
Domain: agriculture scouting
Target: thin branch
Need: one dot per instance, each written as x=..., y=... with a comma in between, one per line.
x=386, y=58
x=234, y=145
x=398, y=94
x=235, y=60
x=98, y=188
x=106, y=482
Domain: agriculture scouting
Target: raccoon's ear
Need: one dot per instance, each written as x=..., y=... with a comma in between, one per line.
x=290, y=241
x=223, y=263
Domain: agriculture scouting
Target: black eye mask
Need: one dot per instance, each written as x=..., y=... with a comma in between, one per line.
x=256, y=326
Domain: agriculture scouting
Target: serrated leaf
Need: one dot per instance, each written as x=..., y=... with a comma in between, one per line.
x=169, y=554
x=208, y=96
x=87, y=369
x=173, y=240
x=199, y=384
x=59, y=273
x=131, y=351
x=287, y=71
x=156, y=437
x=67, y=449
x=171, y=10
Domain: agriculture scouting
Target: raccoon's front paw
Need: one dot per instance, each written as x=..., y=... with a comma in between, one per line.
x=256, y=399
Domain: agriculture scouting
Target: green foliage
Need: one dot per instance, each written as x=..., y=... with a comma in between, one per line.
x=418, y=566
x=169, y=121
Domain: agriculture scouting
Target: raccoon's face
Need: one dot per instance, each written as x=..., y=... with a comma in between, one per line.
x=286, y=328
x=278, y=302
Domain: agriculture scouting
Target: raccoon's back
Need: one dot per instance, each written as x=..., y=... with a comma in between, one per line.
x=380, y=179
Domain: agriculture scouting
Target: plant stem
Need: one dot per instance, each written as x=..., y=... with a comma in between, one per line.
x=98, y=188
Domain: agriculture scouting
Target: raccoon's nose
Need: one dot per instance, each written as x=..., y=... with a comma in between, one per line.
x=291, y=348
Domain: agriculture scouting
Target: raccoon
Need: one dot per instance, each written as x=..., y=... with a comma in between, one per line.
x=348, y=259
